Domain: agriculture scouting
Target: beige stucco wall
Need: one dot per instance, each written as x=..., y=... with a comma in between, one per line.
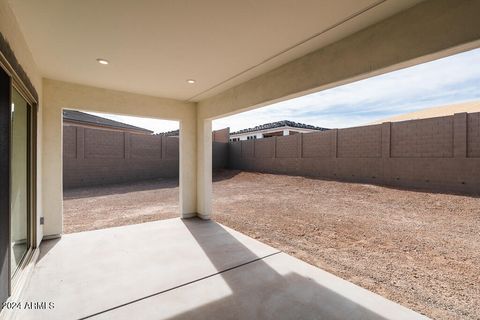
x=58, y=95
x=12, y=33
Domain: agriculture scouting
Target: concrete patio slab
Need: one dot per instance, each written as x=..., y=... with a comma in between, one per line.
x=189, y=269
x=88, y=272
x=276, y=287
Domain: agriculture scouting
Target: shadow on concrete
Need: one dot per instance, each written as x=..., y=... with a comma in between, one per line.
x=46, y=246
x=260, y=292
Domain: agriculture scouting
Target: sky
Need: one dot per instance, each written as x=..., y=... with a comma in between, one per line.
x=445, y=81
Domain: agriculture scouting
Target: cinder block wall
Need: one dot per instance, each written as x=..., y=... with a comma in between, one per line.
x=220, y=140
x=219, y=155
x=222, y=135
x=95, y=156
x=441, y=154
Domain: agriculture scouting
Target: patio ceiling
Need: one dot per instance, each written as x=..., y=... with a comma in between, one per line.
x=155, y=46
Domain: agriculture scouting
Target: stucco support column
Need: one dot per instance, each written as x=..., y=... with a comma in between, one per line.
x=52, y=182
x=204, y=168
x=188, y=168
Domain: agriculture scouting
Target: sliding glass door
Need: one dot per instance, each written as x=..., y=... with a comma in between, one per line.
x=19, y=194
x=17, y=181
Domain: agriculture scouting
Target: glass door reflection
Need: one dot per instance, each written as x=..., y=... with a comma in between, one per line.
x=19, y=227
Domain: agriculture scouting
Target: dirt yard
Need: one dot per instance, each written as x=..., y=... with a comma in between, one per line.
x=419, y=249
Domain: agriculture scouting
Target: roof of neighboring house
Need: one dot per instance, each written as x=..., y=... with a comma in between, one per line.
x=173, y=133
x=446, y=110
x=85, y=118
x=222, y=136
x=279, y=124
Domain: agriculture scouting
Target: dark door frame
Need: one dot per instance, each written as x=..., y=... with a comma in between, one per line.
x=8, y=80
x=5, y=93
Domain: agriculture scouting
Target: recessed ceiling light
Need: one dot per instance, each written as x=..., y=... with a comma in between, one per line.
x=102, y=61
x=191, y=81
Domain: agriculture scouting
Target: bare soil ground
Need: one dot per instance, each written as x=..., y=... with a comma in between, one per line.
x=117, y=205
x=419, y=249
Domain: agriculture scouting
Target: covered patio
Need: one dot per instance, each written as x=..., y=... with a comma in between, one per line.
x=189, y=269
x=191, y=62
